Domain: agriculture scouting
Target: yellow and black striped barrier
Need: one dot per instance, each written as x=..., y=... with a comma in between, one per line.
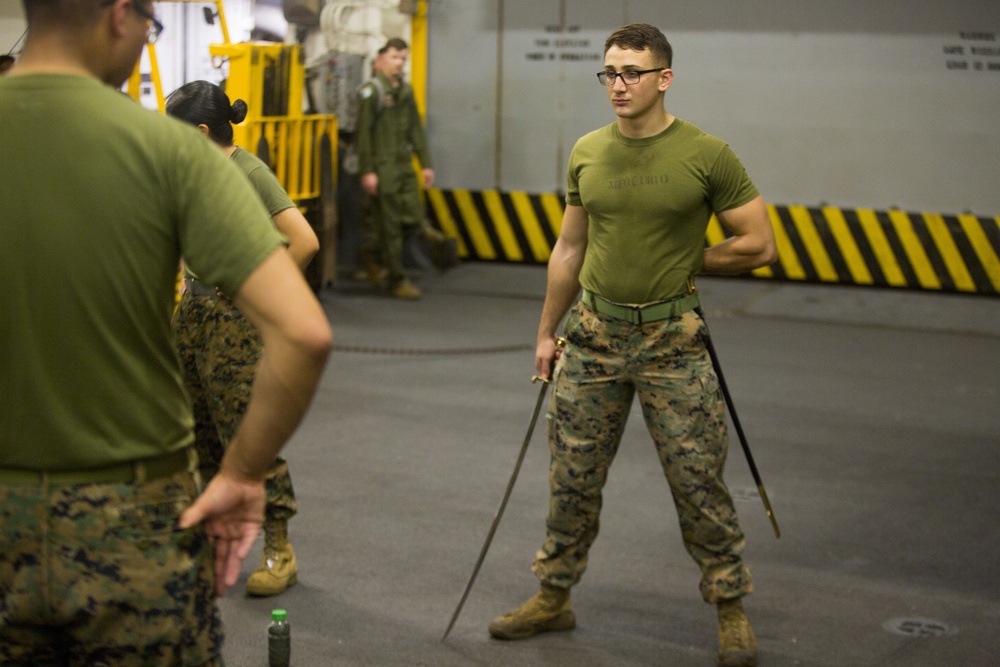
x=923, y=251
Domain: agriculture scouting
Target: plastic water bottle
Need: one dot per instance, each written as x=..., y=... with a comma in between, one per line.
x=279, y=640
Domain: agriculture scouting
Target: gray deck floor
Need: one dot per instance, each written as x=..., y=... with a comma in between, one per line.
x=873, y=419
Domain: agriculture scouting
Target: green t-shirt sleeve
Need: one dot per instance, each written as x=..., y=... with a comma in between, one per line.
x=271, y=193
x=572, y=182
x=729, y=184
x=225, y=231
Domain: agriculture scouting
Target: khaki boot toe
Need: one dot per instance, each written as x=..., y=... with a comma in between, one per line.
x=549, y=610
x=377, y=276
x=406, y=290
x=278, y=568
x=373, y=270
x=737, y=644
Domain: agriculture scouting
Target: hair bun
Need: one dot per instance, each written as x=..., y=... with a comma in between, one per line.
x=238, y=112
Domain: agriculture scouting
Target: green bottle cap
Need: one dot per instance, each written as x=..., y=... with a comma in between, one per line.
x=279, y=615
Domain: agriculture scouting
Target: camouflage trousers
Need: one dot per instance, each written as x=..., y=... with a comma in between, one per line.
x=99, y=575
x=606, y=361
x=220, y=349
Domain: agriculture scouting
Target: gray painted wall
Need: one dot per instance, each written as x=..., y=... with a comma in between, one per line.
x=855, y=104
x=11, y=24
x=849, y=103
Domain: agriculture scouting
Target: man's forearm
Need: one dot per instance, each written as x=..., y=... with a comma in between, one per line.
x=736, y=255
x=563, y=284
x=750, y=244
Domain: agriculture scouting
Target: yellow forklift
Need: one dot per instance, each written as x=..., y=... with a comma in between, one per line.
x=299, y=147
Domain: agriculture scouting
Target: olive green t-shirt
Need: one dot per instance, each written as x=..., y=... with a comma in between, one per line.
x=99, y=199
x=649, y=202
x=264, y=181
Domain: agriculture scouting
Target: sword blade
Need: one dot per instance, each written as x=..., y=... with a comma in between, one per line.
x=739, y=427
x=503, y=506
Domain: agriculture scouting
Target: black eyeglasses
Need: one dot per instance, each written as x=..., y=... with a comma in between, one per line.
x=629, y=77
x=155, y=27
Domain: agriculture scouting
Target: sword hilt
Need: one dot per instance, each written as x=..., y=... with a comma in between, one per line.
x=560, y=342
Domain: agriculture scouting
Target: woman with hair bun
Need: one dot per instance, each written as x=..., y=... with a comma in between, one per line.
x=219, y=346
x=207, y=106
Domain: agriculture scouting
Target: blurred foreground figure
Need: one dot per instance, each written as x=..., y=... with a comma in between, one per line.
x=112, y=553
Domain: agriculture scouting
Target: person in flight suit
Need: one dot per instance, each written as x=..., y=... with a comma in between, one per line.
x=389, y=134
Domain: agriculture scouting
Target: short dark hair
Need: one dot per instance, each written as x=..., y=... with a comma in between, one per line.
x=395, y=43
x=641, y=36
x=204, y=103
x=77, y=13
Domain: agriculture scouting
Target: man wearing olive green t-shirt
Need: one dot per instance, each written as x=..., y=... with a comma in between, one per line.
x=113, y=552
x=639, y=197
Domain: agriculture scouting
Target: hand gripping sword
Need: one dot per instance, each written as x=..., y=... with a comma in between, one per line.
x=506, y=496
x=736, y=423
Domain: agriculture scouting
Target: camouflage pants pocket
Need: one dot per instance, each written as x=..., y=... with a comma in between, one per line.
x=101, y=575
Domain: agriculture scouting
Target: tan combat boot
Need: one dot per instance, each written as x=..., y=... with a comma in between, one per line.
x=278, y=569
x=548, y=610
x=737, y=645
x=406, y=290
x=375, y=272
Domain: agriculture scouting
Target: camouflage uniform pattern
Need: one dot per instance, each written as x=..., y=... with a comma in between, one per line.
x=605, y=362
x=220, y=348
x=98, y=575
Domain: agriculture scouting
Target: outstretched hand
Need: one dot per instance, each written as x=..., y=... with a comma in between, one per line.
x=232, y=510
